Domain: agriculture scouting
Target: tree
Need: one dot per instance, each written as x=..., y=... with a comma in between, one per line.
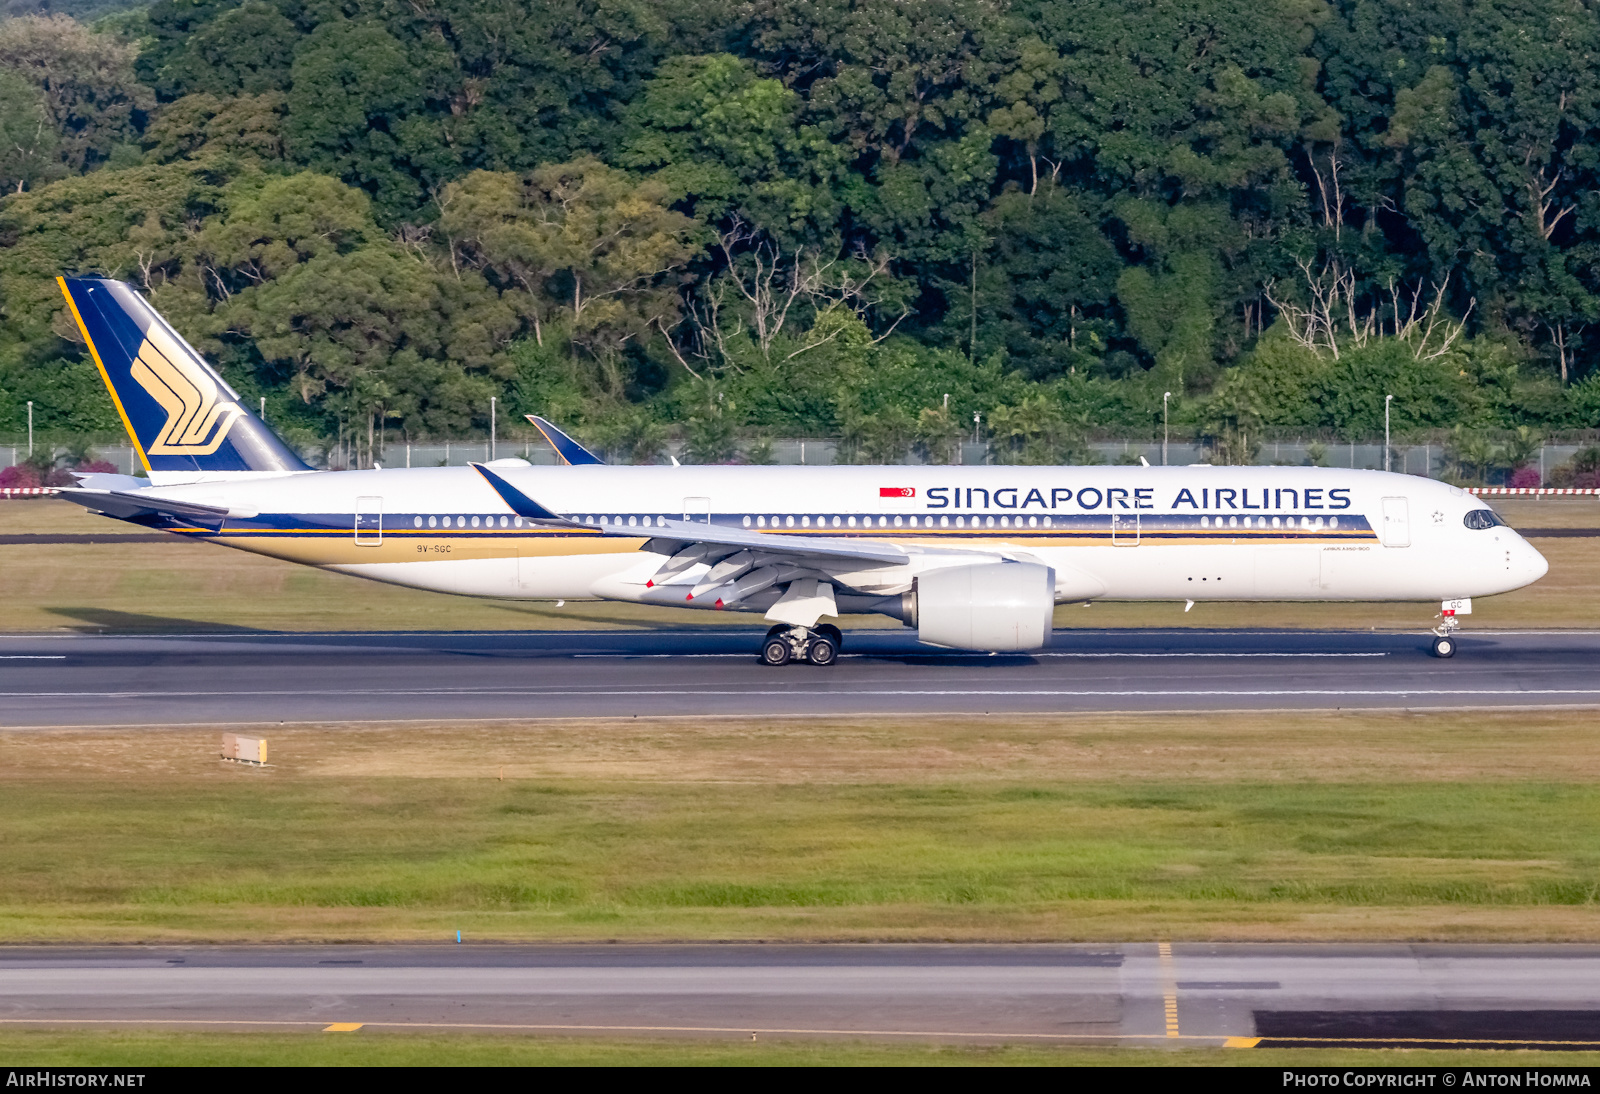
x=130, y=223
x=246, y=126
x=28, y=142
x=1173, y=300
x=1035, y=431
x=1045, y=285
x=885, y=78
x=276, y=224
x=366, y=331
x=243, y=50
x=905, y=88
x=577, y=243
x=90, y=94
x=726, y=142
x=1026, y=92
x=358, y=111
x=1187, y=116
x=542, y=83
x=1474, y=118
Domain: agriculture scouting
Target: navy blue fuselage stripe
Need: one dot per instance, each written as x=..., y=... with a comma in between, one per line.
x=1077, y=526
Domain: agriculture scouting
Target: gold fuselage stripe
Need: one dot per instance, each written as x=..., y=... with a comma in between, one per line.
x=338, y=546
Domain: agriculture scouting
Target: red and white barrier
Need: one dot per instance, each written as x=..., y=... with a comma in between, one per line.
x=28, y=491
x=1500, y=491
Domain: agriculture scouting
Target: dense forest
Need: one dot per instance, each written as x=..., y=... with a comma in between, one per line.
x=729, y=220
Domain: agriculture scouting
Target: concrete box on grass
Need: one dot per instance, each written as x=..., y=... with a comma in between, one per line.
x=250, y=750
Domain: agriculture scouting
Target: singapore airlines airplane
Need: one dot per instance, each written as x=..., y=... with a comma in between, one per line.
x=974, y=558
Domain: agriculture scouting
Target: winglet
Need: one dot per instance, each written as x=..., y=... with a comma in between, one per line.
x=571, y=452
x=520, y=503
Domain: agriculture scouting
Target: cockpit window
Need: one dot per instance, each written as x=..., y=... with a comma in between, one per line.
x=1480, y=519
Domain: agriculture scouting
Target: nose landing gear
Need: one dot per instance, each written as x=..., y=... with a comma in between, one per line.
x=1444, y=642
x=818, y=645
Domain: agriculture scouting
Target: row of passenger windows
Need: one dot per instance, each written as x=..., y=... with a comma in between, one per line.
x=898, y=522
x=1261, y=522
x=850, y=522
x=863, y=522
x=464, y=522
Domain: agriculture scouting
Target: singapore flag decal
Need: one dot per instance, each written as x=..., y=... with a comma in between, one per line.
x=897, y=492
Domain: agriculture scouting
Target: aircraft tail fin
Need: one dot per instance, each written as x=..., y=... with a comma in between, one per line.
x=184, y=419
x=571, y=452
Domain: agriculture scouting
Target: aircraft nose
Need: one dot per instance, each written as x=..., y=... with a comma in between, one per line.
x=1532, y=564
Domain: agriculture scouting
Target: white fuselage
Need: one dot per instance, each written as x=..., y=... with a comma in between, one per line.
x=1123, y=533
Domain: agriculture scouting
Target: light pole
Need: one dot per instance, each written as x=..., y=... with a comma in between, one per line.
x=30, y=429
x=263, y=408
x=493, y=409
x=1164, y=397
x=1387, y=399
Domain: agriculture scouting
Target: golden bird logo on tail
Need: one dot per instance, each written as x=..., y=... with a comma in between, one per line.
x=198, y=416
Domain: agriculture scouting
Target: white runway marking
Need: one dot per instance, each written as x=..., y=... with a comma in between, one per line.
x=1025, y=653
x=33, y=657
x=1105, y=655
x=844, y=692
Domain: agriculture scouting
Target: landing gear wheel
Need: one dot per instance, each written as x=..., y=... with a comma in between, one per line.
x=775, y=651
x=1444, y=647
x=833, y=634
x=823, y=651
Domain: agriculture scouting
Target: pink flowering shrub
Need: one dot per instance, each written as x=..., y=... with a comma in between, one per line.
x=18, y=477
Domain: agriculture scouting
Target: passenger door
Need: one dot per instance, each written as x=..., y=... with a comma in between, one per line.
x=369, y=522
x=697, y=509
x=1125, y=529
x=1396, y=523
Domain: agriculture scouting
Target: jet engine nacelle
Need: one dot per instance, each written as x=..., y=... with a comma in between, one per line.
x=990, y=606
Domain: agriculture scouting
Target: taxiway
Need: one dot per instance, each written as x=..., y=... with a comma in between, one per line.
x=1136, y=993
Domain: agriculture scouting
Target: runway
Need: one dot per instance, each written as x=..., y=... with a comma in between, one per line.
x=252, y=677
x=1136, y=993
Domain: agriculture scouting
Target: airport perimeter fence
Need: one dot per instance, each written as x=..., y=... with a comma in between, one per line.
x=1431, y=460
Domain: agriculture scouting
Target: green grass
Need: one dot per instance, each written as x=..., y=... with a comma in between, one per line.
x=266, y=857
x=147, y=1048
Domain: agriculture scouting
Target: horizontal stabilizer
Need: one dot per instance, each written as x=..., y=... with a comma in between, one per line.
x=126, y=506
x=571, y=452
x=106, y=480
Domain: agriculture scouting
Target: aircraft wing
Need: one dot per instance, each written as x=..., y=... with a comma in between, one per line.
x=688, y=532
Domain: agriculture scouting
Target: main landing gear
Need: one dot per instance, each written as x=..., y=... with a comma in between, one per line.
x=818, y=645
